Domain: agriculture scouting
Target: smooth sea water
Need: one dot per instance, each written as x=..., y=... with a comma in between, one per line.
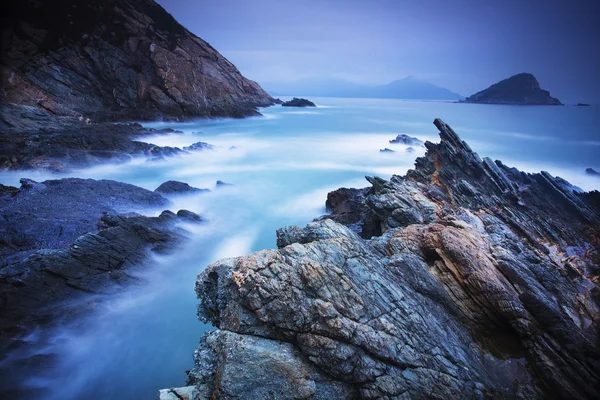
x=281, y=167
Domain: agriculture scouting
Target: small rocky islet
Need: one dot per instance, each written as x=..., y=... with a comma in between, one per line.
x=298, y=102
x=520, y=89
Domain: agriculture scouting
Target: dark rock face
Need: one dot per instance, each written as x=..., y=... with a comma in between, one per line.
x=68, y=61
x=175, y=187
x=407, y=140
x=583, y=105
x=76, y=147
x=296, y=102
x=482, y=283
x=66, y=243
x=520, y=89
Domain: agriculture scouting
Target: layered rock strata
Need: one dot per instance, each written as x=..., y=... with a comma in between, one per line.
x=463, y=279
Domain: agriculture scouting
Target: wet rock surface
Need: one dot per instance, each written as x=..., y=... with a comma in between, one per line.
x=65, y=244
x=463, y=279
x=298, y=102
x=67, y=62
x=176, y=187
x=520, y=89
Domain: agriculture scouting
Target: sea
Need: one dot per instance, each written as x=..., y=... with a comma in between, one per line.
x=280, y=167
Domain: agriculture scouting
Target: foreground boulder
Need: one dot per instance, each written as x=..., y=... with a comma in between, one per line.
x=463, y=279
x=297, y=102
x=520, y=89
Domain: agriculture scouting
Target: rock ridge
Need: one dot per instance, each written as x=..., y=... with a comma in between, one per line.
x=464, y=278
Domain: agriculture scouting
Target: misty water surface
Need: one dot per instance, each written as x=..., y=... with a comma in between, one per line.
x=281, y=167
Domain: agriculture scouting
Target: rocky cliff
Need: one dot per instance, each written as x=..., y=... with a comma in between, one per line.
x=463, y=279
x=520, y=89
x=104, y=60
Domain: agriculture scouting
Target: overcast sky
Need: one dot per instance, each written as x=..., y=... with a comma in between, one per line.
x=463, y=45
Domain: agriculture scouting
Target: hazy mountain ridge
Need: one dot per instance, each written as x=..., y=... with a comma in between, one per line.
x=406, y=88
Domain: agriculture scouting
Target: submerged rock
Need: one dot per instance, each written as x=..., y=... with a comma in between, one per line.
x=176, y=187
x=583, y=105
x=407, y=140
x=199, y=146
x=297, y=102
x=591, y=171
x=520, y=89
x=410, y=150
x=481, y=282
x=386, y=150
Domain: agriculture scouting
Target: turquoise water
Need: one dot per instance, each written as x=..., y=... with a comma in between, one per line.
x=281, y=166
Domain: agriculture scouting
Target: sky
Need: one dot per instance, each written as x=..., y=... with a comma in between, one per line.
x=463, y=45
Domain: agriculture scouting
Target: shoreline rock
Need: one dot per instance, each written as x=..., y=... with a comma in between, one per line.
x=463, y=279
x=64, y=245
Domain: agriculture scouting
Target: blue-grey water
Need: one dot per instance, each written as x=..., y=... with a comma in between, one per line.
x=281, y=166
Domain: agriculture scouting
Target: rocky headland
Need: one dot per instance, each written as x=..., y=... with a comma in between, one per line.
x=464, y=278
x=520, y=89
x=66, y=61
x=65, y=245
x=298, y=102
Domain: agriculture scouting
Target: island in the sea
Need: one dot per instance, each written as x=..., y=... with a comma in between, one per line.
x=520, y=89
x=298, y=102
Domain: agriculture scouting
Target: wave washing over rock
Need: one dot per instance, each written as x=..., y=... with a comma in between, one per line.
x=99, y=60
x=481, y=282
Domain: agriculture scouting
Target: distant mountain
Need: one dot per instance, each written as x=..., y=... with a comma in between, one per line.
x=520, y=89
x=407, y=88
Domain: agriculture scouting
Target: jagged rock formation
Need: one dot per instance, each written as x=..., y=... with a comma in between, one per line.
x=101, y=60
x=297, y=102
x=463, y=279
x=520, y=89
x=63, y=245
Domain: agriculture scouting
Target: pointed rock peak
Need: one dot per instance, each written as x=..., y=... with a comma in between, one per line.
x=447, y=134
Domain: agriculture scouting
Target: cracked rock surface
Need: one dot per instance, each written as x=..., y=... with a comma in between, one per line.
x=463, y=279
